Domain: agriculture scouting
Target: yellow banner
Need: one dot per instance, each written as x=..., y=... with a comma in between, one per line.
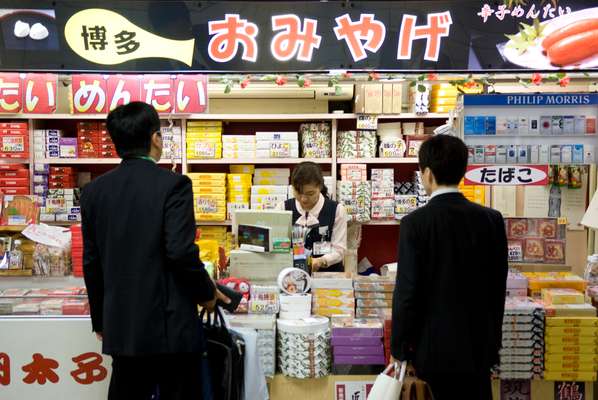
x=105, y=37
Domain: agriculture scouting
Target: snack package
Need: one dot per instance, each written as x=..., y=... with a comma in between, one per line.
x=554, y=251
x=534, y=249
x=547, y=228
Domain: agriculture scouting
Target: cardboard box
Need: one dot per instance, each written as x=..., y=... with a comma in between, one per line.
x=373, y=98
x=387, y=98
x=397, y=98
x=259, y=267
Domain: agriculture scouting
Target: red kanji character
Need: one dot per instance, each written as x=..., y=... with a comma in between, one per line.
x=228, y=34
x=4, y=369
x=40, y=370
x=486, y=12
x=367, y=29
x=438, y=27
x=548, y=10
x=532, y=13
x=518, y=12
x=292, y=40
x=89, y=369
x=502, y=12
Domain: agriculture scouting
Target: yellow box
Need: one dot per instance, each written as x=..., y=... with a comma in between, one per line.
x=242, y=169
x=207, y=175
x=333, y=292
x=210, y=217
x=238, y=198
x=569, y=366
x=571, y=358
x=208, y=250
x=330, y=311
x=213, y=197
x=580, y=321
x=591, y=331
x=445, y=93
x=239, y=187
x=200, y=190
x=570, y=376
x=444, y=101
x=326, y=302
x=268, y=181
x=240, y=178
x=441, y=109
x=562, y=296
x=208, y=182
x=543, y=280
x=203, y=123
x=571, y=349
x=571, y=340
x=204, y=135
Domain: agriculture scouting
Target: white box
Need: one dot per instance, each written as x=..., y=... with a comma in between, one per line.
x=523, y=128
x=290, y=136
x=267, y=145
x=566, y=154
x=544, y=154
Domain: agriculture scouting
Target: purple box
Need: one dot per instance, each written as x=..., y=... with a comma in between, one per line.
x=358, y=350
x=357, y=332
x=359, y=360
x=356, y=340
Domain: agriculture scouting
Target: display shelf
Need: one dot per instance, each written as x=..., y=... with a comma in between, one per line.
x=260, y=161
x=528, y=136
x=390, y=222
x=520, y=164
x=91, y=161
x=4, y=161
x=403, y=160
x=214, y=223
x=40, y=282
x=235, y=117
x=530, y=267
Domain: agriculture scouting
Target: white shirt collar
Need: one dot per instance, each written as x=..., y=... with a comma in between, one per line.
x=445, y=190
x=313, y=214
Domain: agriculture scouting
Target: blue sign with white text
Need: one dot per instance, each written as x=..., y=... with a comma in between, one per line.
x=517, y=99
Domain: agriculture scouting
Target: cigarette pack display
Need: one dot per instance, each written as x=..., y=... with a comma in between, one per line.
x=580, y=124
x=590, y=125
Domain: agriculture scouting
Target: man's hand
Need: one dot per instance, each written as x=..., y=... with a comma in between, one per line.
x=210, y=306
x=99, y=336
x=316, y=264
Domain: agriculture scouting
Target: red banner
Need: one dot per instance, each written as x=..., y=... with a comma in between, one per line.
x=11, y=94
x=122, y=89
x=157, y=90
x=40, y=93
x=191, y=93
x=89, y=94
x=507, y=175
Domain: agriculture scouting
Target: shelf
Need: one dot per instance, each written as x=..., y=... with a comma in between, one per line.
x=530, y=267
x=260, y=161
x=92, y=161
x=404, y=160
x=392, y=222
x=234, y=117
x=4, y=161
x=20, y=228
x=214, y=223
x=40, y=282
x=529, y=136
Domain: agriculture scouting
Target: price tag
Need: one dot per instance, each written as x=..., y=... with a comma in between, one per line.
x=562, y=221
x=280, y=150
x=206, y=150
x=14, y=144
x=207, y=206
x=367, y=122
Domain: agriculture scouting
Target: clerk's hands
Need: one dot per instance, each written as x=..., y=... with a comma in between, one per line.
x=210, y=306
x=317, y=264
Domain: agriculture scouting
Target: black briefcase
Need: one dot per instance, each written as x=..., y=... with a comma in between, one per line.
x=226, y=351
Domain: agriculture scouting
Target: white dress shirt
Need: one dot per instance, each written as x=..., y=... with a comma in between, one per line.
x=444, y=190
x=339, y=230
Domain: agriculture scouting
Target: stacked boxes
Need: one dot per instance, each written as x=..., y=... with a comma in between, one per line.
x=357, y=341
x=239, y=193
x=272, y=176
x=14, y=179
x=295, y=306
x=265, y=326
x=61, y=205
x=354, y=172
x=332, y=294
x=209, y=195
x=420, y=191
x=521, y=356
x=373, y=296
x=204, y=139
x=315, y=140
x=357, y=144
x=62, y=178
x=383, y=203
x=238, y=146
x=14, y=137
x=354, y=195
x=544, y=280
x=217, y=233
x=304, y=347
x=52, y=142
x=571, y=348
x=88, y=136
x=516, y=284
x=443, y=98
x=172, y=139
x=276, y=145
x=268, y=197
x=77, y=250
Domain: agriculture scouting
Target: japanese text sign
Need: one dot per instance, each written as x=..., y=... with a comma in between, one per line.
x=507, y=175
x=52, y=358
x=569, y=391
x=28, y=93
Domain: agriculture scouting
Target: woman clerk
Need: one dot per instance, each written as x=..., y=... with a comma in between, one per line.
x=325, y=220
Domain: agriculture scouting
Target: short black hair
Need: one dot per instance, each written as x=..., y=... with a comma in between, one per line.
x=308, y=173
x=446, y=156
x=131, y=127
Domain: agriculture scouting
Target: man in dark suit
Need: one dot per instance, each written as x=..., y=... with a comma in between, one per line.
x=451, y=280
x=142, y=269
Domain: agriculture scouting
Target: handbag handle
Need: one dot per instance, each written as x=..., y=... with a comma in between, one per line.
x=218, y=318
x=398, y=370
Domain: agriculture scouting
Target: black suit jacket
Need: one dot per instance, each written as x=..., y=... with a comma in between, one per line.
x=449, y=300
x=141, y=265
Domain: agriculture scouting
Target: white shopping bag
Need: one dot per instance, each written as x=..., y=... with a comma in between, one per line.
x=389, y=387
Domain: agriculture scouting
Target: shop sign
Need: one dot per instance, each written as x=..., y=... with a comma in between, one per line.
x=515, y=389
x=367, y=122
x=97, y=94
x=352, y=390
x=262, y=36
x=556, y=99
x=27, y=93
x=507, y=175
x=52, y=359
x=569, y=391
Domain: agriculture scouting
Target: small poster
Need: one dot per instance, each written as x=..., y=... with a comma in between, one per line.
x=515, y=389
x=357, y=390
x=569, y=391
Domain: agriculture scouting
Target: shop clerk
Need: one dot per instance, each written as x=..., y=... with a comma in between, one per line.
x=325, y=219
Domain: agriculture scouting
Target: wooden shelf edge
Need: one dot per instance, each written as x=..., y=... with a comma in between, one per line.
x=530, y=267
x=214, y=223
x=403, y=160
x=259, y=161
